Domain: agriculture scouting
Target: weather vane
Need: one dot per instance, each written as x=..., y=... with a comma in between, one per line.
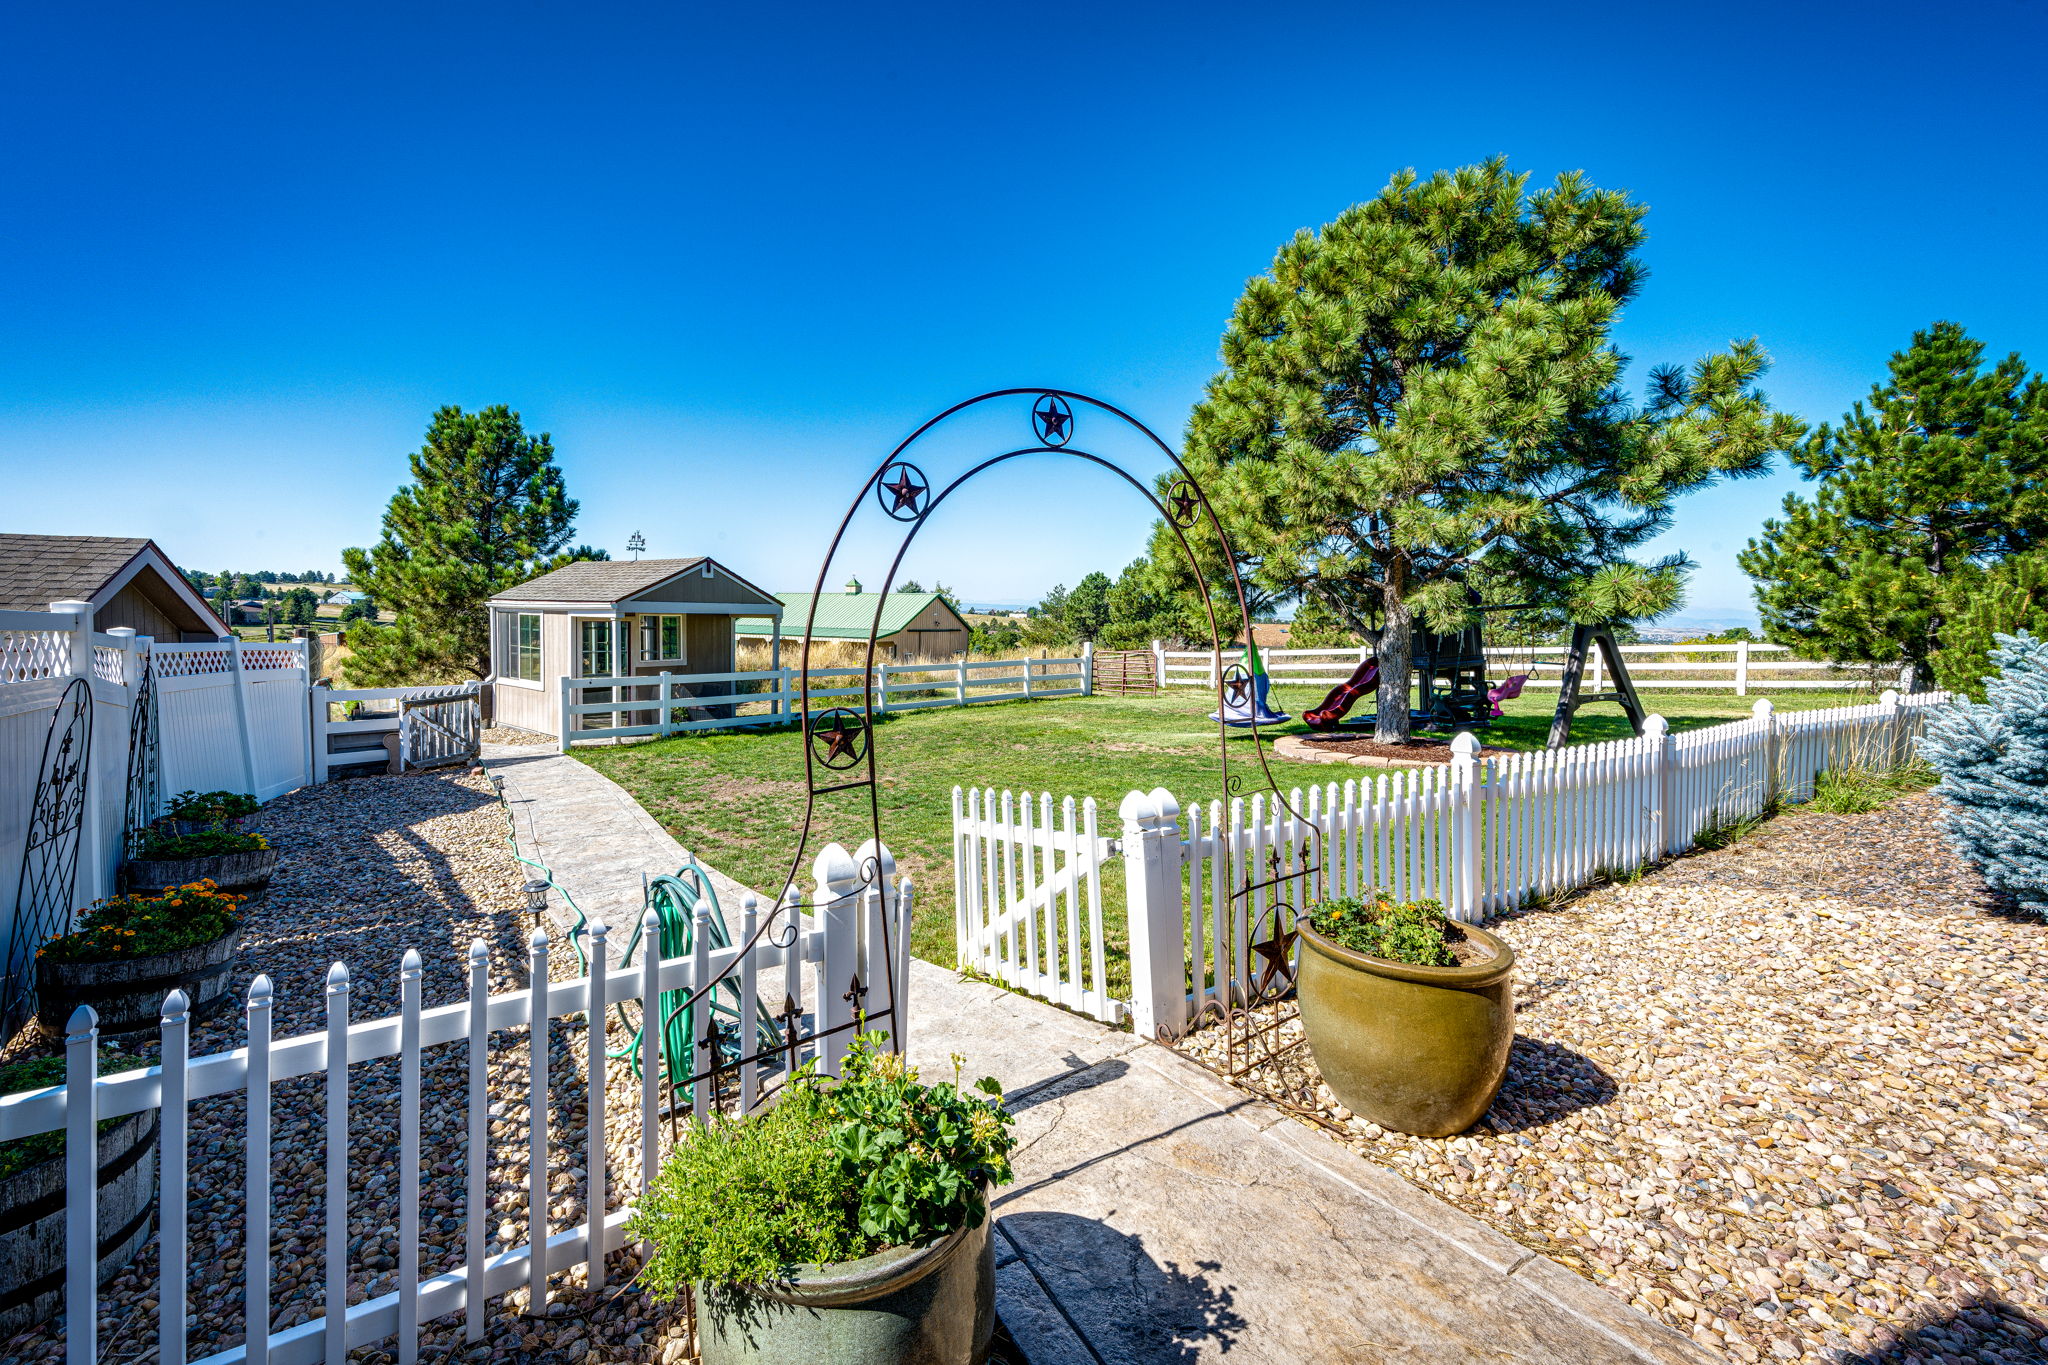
x=636, y=543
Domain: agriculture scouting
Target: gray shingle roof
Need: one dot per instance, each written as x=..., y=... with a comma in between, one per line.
x=38, y=570
x=598, y=580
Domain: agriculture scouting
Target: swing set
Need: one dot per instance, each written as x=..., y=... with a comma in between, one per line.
x=1455, y=693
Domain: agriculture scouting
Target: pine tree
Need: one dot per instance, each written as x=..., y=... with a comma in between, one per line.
x=1982, y=604
x=487, y=509
x=1993, y=761
x=1944, y=474
x=1088, y=606
x=1425, y=390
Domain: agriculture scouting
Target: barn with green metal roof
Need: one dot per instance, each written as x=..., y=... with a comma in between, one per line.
x=914, y=626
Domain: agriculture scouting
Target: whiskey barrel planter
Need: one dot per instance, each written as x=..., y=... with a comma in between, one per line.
x=32, y=1220
x=931, y=1305
x=128, y=994
x=230, y=871
x=167, y=825
x=1416, y=1049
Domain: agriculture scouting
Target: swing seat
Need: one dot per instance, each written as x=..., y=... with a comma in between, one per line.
x=1507, y=689
x=674, y=901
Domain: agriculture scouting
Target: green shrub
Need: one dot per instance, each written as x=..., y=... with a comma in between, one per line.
x=838, y=1170
x=217, y=806
x=207, y=843
x=131, y=926
x=1415, y=932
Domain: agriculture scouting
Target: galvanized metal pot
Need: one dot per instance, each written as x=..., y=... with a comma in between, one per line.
x=1416, y=1049
x=932, y=1305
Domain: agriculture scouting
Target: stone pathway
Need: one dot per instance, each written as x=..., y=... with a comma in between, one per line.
x=1158, y=1215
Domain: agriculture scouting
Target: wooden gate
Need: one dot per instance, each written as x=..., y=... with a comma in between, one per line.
x=438, y=729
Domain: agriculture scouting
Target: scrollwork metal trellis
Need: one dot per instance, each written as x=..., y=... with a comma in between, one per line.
x=49, y=858
x=145, y=762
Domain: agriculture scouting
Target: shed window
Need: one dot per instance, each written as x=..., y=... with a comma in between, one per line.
x=661, y=637
x=596, y=649
x=527, y=647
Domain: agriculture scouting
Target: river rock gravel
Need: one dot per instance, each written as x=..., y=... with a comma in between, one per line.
x=369, y=867
x=1791, y=1097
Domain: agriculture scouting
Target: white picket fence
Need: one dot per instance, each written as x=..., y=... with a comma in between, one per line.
x=667, y=703
x=1741, y=667
x=1480, y=835
x=841, y=939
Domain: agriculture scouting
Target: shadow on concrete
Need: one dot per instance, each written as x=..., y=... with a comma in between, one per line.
x=1126, y=1306
x=1544, y=1083
x=1985, y=1329
x=1067, y=1082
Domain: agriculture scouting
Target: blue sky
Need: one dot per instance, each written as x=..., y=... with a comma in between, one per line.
x=729, y=256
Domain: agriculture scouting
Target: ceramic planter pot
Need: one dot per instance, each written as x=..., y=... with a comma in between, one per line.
x=32, y=1221
x=128, y=993
x=230, y=871
x=932, y=1305
x=1416, y=1049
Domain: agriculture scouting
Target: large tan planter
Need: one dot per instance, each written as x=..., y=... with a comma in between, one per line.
x=932, y=1305
x=1416, y=1049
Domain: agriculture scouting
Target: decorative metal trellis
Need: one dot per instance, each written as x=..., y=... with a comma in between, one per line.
x=145, y=758
x=49, y=857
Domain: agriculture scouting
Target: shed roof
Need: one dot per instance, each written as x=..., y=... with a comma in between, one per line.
x=847, y=615
x=613, y=581
x=38, y=570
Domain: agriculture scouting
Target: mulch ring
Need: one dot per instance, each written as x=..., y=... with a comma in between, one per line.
x=1359, y=745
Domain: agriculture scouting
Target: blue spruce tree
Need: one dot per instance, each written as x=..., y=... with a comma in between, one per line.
x=1993, y=762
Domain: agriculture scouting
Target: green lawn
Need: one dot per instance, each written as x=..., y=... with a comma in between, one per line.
x=736, y=799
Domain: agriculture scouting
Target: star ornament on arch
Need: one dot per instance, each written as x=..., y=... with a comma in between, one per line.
x=1182, y=504
x=839, y=738
x=1052, y=419
x=1278, y=952
x=1237, y=686
x=903, y=495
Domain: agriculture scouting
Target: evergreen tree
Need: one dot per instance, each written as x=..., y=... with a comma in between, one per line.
x=1993, y=761
x=1425, y=390
x=300, y=607
x=1944, y=473
x=2007, y=598
x=486, y=509
x=1088, y=606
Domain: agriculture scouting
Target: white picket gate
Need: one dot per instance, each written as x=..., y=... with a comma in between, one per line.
x=1479, y=835
x=840, y=939
x=1027, y=896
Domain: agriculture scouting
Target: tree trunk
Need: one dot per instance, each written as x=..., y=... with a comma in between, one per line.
x=1396, y=655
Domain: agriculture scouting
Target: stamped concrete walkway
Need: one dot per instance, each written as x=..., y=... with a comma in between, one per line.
x=1158, y=1215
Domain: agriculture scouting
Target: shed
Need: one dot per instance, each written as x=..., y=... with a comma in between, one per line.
x=915, y=627
x=604, y=618
x=129, y=581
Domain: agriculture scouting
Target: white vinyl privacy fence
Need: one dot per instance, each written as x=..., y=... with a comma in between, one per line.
x=681, y=703
x=840, y=940
x=1481, y=834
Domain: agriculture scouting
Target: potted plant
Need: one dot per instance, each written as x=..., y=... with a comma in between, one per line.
x=848, y=1223
x=32, y=1197
x=228, y=858
x=130, y=951
x=1409, y=1014
x=189, y=812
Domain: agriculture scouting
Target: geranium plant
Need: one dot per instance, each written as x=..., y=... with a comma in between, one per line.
x=1416, y=932
x=123, y=927
x=838, y=1170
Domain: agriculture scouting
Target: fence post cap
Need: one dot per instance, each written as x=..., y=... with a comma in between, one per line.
x=1465, y=744
x=83, y=1023
x=409, y=965
x=650, y=924
x=176, y=1006
x=1763, y=706
x=1134, y=807
x=126, y=632
x=1889, y=697
x=259, y=990
x=337, y=977
x=1655, y=727
x=835, y=867
x=479, y=952
x=599, y=929
x=70, y=606
x=885, y=861
x=537, y=941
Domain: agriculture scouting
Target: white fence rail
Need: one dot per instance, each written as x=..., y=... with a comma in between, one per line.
x=1479, y=834
x=842, y=939
x=1742, y=667
x=355, y=741
x=682, y=703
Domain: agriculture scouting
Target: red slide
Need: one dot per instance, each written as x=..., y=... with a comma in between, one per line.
x=1344, y=696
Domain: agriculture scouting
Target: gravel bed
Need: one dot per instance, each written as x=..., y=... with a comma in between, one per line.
x=513, y=735
x=1793, y=1125
x=372, y=866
